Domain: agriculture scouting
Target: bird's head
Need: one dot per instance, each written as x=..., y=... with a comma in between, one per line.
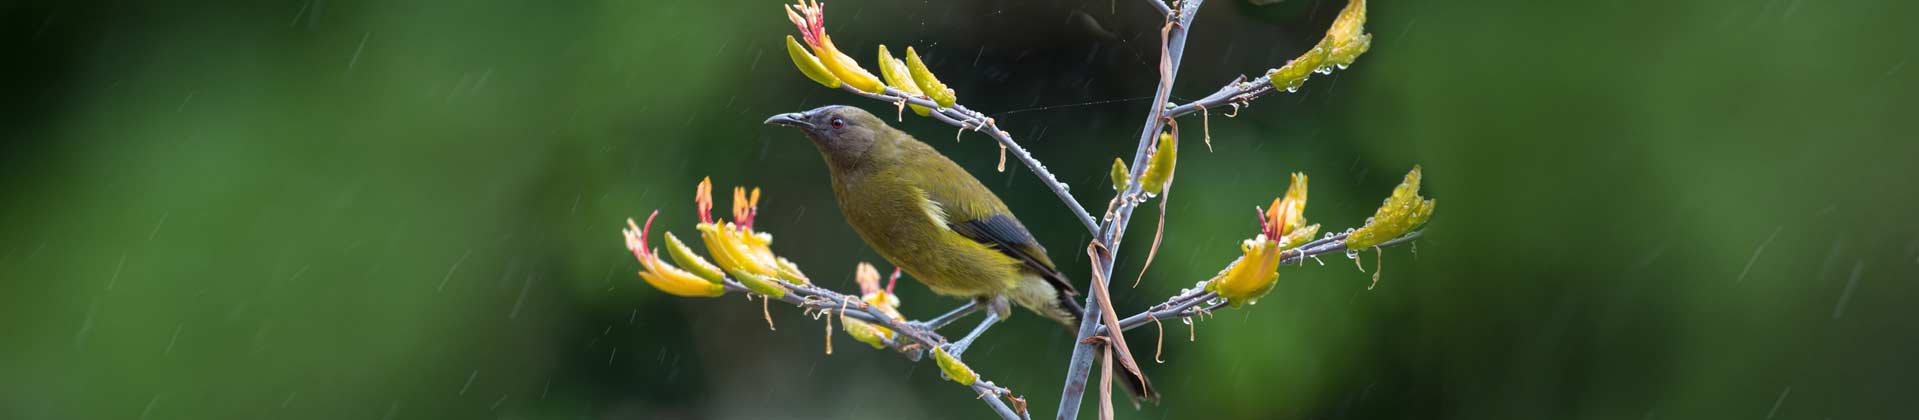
x=843, y=134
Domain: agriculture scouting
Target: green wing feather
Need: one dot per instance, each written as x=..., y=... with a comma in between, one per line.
x=976, y=213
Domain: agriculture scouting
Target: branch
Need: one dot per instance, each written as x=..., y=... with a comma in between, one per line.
x=991, y=393
x=967, y=119
x=1234, y=94
x=1196, y=302
x=1120, y=209
x=807, y=296
x=1336, y=243
x=1343, y=43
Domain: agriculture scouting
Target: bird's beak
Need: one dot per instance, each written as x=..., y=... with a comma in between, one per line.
x=790, y=119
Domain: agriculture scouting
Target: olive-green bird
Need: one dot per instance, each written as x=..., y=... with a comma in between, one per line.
x=932, y=219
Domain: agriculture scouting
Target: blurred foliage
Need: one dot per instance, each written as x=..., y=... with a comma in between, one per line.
x=328, y=209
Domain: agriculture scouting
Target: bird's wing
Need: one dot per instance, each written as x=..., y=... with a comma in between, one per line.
x=1008, y=237
x=975, y=213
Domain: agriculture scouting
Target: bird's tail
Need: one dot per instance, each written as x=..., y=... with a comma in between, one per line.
x=1138, y=388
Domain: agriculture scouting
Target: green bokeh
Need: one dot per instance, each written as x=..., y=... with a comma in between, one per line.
x=332, y=209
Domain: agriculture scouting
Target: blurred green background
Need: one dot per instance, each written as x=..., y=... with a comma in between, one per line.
x=336, y=209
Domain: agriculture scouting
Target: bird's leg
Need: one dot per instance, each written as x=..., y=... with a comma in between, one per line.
x=996, y=310
x=957, y=347
x=947, y=319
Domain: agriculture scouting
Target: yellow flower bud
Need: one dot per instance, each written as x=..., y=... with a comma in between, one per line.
x=680, y=283
x=930, y=85
x=789, y=271
x=955, y=370
x=659, y=274
x=1120, y=175
x=758, y=284
x=1294, y=74
x=1401, y=213
x=1252, y=275
x=1345, y=40
x=846, y=69
x=899, y=77
x=1299, y=236
x=866, y=333
x=810, y=18
x=724, y=243
x=810, y=65
x=1348, y=35
x=869, y=281
x=1159, y=168
x=735, y=246
x=692, y=262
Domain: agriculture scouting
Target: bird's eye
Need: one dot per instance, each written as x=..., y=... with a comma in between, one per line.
x=838, y=123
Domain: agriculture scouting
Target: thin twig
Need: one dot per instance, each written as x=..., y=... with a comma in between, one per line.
x=1240, y=91
x=1175, y=308
x=991, y=393
x=1336, y=243
x=1199, y=301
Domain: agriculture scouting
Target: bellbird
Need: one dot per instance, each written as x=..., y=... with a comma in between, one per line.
x=932, y=219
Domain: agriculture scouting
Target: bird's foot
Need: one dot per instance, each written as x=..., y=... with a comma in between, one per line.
x=943, y=320
x=956, y=347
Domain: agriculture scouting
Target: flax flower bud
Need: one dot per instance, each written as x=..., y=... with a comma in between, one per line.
x=900, y=77
x=1121, y=176
x=954, y=369
x=810, y=65
x=872, y=294
x=811, y=20
x=942, y=95
x=661, y=275
x=1257, y=269
x=1401, y=213
x=1159, y=168
x=1343, y=43
x=740, y=251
